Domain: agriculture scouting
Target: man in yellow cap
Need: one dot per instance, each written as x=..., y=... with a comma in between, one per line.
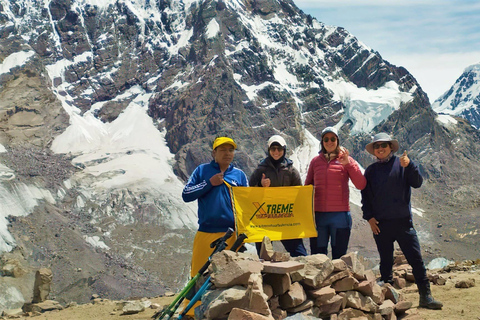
x=207, y=184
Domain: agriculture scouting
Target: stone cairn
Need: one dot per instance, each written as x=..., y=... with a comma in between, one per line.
x=41, y=290
x=274, y=286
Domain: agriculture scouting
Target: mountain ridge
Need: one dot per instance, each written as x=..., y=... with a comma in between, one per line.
x=463, y=98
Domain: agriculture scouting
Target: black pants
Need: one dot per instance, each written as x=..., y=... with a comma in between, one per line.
x=338, y=249
x=293, y=246
x=402, y=231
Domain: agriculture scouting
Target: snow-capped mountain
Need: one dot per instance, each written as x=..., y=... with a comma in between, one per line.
x=463, y=98
x=108, y=106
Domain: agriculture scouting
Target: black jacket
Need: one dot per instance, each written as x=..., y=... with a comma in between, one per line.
x=388, y=191
x=283, y=175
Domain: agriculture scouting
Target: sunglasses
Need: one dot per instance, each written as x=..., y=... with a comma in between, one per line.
x=276, y=148
x=333, y=139
x=382, y=145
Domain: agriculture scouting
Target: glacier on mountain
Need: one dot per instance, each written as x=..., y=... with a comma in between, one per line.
x=463, y=98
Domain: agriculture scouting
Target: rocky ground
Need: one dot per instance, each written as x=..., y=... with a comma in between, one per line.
x=459, y=303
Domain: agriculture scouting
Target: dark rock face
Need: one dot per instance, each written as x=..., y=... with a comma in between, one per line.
x=212, y=69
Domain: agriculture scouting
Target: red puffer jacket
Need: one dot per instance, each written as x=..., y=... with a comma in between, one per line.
x=331, y=183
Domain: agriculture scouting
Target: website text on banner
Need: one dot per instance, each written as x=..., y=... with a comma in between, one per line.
x=279, y=213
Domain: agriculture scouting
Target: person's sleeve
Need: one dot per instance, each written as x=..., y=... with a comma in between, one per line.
x=356, y=174
x=309, y=178
x=367, y=197
x=245, y=180
x=414, y=178
x=196, y=186
x=296, y=180
x=255, y=178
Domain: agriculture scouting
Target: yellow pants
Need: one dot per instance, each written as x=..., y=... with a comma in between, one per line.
x=200, y=254
x=202, y=250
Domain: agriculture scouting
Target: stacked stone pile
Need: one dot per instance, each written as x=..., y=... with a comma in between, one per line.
x=249, y=287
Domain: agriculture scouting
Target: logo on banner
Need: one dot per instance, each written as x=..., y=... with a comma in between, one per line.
x=273, y=211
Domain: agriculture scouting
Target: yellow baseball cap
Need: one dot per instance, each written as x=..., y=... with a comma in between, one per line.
x=223, y=140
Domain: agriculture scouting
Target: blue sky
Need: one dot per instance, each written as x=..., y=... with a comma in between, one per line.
x=435, y=40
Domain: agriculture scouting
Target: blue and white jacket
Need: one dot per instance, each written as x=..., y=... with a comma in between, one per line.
x=215, y=212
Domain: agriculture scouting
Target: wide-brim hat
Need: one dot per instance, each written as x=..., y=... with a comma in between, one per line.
x=382, y=137
x=223, y=140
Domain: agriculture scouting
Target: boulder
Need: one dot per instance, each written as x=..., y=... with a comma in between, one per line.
x=350, y=313
x=317, y=268
x=307, y=304
x=13, y=313
x=355, y=265
x=41, y=287
x=282, y=267
x=400, y=283
x=279, y=314
x=339, y=265
x=12, y=268
x=335, y=276
x=295, y=296
x=280, y=283
x=266, y=250
x=331, y=306
x=358, y=301
x=268, y=290
x=240, y=314
x=387, y=308
x=371, y=289
x=402, y=307
x=258, y=300
x=47, y=305
x=345, y=284
x=218, y=303
x=133, y=307
x=439, y=279
x=280, y=256
x=466, y=283
x=321, y=295
x=230, y=268
x=391, y=293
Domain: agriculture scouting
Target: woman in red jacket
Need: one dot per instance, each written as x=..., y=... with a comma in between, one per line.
x=329, y=173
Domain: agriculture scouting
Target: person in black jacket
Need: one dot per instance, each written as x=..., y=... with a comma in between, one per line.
x=278, y=171
x=387, y=208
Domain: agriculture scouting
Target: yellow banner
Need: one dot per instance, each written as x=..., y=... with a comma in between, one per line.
x=279, y=213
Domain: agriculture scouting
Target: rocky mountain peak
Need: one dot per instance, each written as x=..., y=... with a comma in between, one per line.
x=463, y=98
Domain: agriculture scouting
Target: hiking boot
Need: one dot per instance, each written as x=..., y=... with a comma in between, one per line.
x=426, y=299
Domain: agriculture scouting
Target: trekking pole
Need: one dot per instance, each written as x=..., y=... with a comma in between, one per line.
x=237, y=244
x=219, y=244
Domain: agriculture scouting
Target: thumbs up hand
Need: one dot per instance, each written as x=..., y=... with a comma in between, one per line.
x=404, y=160
x=265, y=181
x=343, y=156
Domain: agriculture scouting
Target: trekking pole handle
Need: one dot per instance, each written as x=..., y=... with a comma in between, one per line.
x=238, y=243
x=224, y=238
